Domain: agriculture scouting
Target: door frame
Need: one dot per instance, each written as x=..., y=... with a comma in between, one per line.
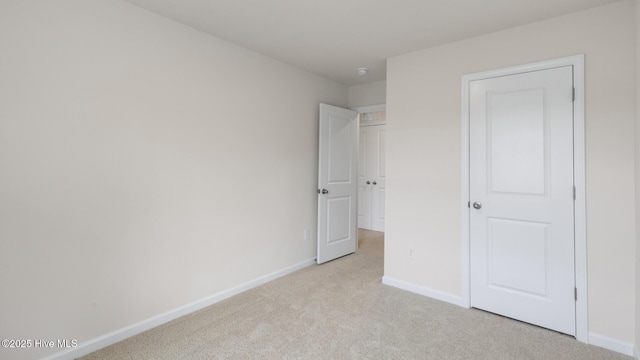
x=369, y=108
x=577, y=61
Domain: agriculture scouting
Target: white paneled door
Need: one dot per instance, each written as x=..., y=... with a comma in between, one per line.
x=522, y=197
x=337, y=179
x=371, y=177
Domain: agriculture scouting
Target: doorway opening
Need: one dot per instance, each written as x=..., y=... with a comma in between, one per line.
x=371, y=167
x=345, y=182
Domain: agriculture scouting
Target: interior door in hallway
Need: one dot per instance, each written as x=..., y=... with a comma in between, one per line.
x=337, y=180
x=371, y=177
x=521, y=197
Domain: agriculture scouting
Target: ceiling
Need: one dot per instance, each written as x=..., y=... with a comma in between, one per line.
x=333, y=38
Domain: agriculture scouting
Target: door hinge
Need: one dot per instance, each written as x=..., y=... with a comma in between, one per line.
x=575, y=293
x=574, y=193
x=573, y=94
x=469, y=204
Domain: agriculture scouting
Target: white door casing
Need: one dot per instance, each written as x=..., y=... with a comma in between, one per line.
x=337, y=179
x=371, y=177
x=364, y=181
x=503, y=228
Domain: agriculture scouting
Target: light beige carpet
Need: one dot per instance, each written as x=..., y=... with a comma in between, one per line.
x=341, y=310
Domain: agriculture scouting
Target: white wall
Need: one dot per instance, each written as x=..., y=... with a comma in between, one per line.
x=144, y=165
x=374, y=93
x=424, y=152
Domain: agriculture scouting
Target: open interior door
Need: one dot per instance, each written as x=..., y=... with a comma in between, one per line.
x=337, y=180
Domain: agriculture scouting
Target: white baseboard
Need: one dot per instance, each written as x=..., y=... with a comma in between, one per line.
x=594, y=339
x=113, y=337
x=435, y=294
x=612, y=344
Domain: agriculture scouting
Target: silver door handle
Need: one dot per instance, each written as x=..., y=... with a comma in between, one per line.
x=477, y=205
x=325, y=191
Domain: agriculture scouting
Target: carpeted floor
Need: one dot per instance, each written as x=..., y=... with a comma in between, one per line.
x=341, y=310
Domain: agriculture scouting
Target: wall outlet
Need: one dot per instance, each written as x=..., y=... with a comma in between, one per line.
x=411, y=253
x=307, y=235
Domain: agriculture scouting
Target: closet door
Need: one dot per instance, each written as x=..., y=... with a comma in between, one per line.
x=364, y=183
x=371, y=178
x=378, y=181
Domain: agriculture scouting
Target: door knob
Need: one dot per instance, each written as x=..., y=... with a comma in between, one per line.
x=325, y=191
x=375, y=183
x=477, y=205
x=368, y=182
